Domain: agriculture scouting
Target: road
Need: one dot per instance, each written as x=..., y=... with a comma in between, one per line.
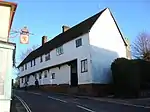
x=51, y=102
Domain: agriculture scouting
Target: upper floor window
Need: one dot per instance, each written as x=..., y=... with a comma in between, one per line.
x=26, y=66
x=31, y=63
x=41, y=59
x=84, y=66
x=23, y=68
x=59, y=50
x=47, y=56
x=79, y=42
x=34, y=62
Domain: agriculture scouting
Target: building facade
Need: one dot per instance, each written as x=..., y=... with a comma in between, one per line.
x=7, y=53
x=80, y=57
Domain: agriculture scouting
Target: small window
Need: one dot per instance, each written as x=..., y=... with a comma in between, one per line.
x=27, y=78
x=40, y=75
x=35, y=75
x=78, y=42
x=22, y=80
x=41, y=59
x=53, y=75
x=25, y=66
x=34, y=62
x=84, y=66
x=59, y=50
x=47, y=56
x=45, y=74
x=31, y=63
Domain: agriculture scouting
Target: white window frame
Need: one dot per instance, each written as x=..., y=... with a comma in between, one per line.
x=84, y=66
x=78, y=42
x=40, y=75
x=53, y=76
x=45, y=73
x=26, y=66
x=41, y=59
x=59, y=50
x=47, y=56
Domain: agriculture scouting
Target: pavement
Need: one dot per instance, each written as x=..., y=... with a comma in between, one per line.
x=37, y=101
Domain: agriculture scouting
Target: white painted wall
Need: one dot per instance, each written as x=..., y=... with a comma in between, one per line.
x=4, y=22
x=70, y=53
x=106, y=45
x=6, y=61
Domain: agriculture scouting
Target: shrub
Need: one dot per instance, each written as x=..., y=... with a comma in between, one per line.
x=126, y=76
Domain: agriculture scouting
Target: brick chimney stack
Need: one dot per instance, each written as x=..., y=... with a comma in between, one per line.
x=44, y=40
x=65, y=28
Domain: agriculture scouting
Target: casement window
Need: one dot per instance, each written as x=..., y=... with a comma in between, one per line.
x=59, y=50
x=40, y=75
x=41, y=59
x=79, y=42
x=22, y=80
x=84, y=66
x=27, y=78
x=47, y=56
x=45, y=74
x=34, y=62
x=31, y=63
x=35, y=75
x=23, y=68
x=53, y=75
x=26, y=66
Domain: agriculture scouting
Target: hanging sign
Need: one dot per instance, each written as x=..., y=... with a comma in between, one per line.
x=24, y=36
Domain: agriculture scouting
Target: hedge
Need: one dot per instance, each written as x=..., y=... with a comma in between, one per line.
x=129, y=76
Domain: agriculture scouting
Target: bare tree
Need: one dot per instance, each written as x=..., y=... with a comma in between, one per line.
x=27, y=52
x=141, y=47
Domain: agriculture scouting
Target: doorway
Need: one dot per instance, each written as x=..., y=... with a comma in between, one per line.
x=74, y=73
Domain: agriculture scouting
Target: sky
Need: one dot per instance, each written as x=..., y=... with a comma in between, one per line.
x=46, y=17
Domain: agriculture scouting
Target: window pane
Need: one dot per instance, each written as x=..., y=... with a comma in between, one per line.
x=41, y=59
x=78, y=42
x=53, y=75
x=86, y=65
x=82, y=66
x=40, y=75
x=45, y=74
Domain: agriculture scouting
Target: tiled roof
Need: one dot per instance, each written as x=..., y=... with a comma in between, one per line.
x=72, y=33
x=64, y=37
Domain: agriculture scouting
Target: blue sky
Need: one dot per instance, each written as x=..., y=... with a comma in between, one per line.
x=46, y=17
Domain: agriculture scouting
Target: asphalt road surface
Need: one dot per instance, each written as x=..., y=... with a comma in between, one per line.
x=51, y=102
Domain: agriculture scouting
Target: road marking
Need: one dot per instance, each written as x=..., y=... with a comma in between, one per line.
x=23, y=103
x=126, y=104
x=85, y=108
x=57, y=99
x=34, y=93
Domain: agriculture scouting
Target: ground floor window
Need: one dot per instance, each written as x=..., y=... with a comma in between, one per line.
x=22, y=80
x=40, y=75
x=45, y=74
x=84, y=66
x=53, y=75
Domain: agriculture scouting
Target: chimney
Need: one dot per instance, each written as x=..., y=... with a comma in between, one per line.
x=44, y=40
x=65, y=28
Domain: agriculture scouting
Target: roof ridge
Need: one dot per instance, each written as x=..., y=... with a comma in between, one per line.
x=72, y=33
